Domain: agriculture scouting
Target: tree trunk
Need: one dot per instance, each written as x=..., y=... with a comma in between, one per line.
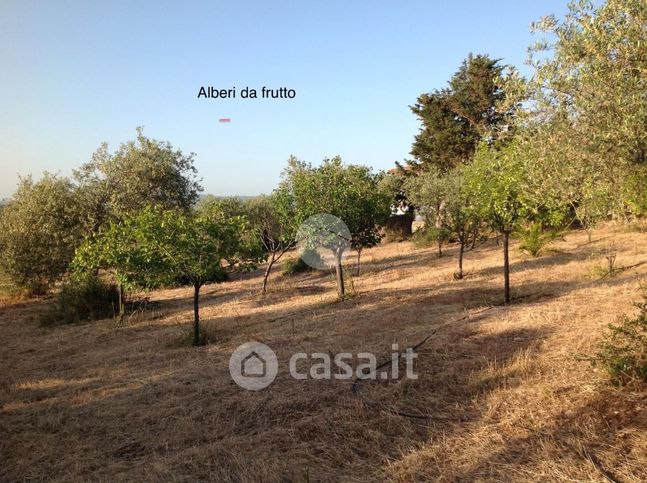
x=340, y=275
x=196, y=314
x=122, y=304
x=267, y=272
x=461, y=251
x=359, y=254
x=506, y=268
x=440, y=248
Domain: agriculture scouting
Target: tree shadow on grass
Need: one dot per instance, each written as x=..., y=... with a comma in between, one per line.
x=194, y=421
x=602, y=439
x=555, y=258
x=137, y=417
x=450, y=369
x=199, y=411
x=457, y=296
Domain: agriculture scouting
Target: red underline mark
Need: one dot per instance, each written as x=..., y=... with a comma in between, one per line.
x=224, y=119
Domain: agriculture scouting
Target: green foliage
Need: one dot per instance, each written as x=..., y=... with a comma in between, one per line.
x=534, y=238
x=228, y=206
x=157, y=246
x=427, y=192
x=596, y=78
x=496, y=183
x=125, y=250
x=461, y=217
x=273, y=221
x=636, y=191
x=455, y=119
x=142, y=172
x=46, y=221
x=585, y=127
x=294, y=266
x=623, y=349
x=271, y=218
x=39, y=229
x=429, y=235
x=393, y=184
x=83, y=299
x=595, y=203
x=351, y=193
x=9, y=292
x=241, y=209
x=449, y=208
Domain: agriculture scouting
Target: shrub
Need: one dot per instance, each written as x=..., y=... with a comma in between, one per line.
x=623, y=349
x=9, y=292
x=534, y=238
x=83, y=299
x=429, y=235
x=293, y=266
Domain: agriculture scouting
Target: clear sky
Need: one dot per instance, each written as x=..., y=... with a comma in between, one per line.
x=76, y=73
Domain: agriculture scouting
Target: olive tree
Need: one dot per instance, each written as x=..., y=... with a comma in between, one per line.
x=495, y=181
x=427, y=192
x=460, y=216
x=447, y=204
x=140, y=172
x=590, y=68
x=585, y=122
x=273, y=221
x=40, y=227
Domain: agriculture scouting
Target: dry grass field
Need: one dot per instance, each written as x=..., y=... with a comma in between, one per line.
x=504, y=392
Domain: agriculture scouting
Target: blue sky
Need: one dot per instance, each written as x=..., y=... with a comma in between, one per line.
x=76, y=73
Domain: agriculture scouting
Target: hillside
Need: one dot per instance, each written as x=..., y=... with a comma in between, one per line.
x=504, y=392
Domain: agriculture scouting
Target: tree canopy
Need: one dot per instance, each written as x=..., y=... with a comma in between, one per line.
x=155, y=246
x=349, y=192
x=40, y=227
x=456, y=118
x=140, y=172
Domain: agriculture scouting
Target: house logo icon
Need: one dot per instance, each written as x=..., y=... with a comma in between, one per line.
x=253, y=366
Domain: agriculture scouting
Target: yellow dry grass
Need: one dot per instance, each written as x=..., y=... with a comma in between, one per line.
x=501, y=394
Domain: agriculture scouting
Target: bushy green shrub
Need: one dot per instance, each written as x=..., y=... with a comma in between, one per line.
x=293, y=266
x=623, y=349
x=429, y=236
x=83, y=299
x=534, y=239
x=9, y=292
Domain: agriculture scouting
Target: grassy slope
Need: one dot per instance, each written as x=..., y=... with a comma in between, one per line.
x=504, y=394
